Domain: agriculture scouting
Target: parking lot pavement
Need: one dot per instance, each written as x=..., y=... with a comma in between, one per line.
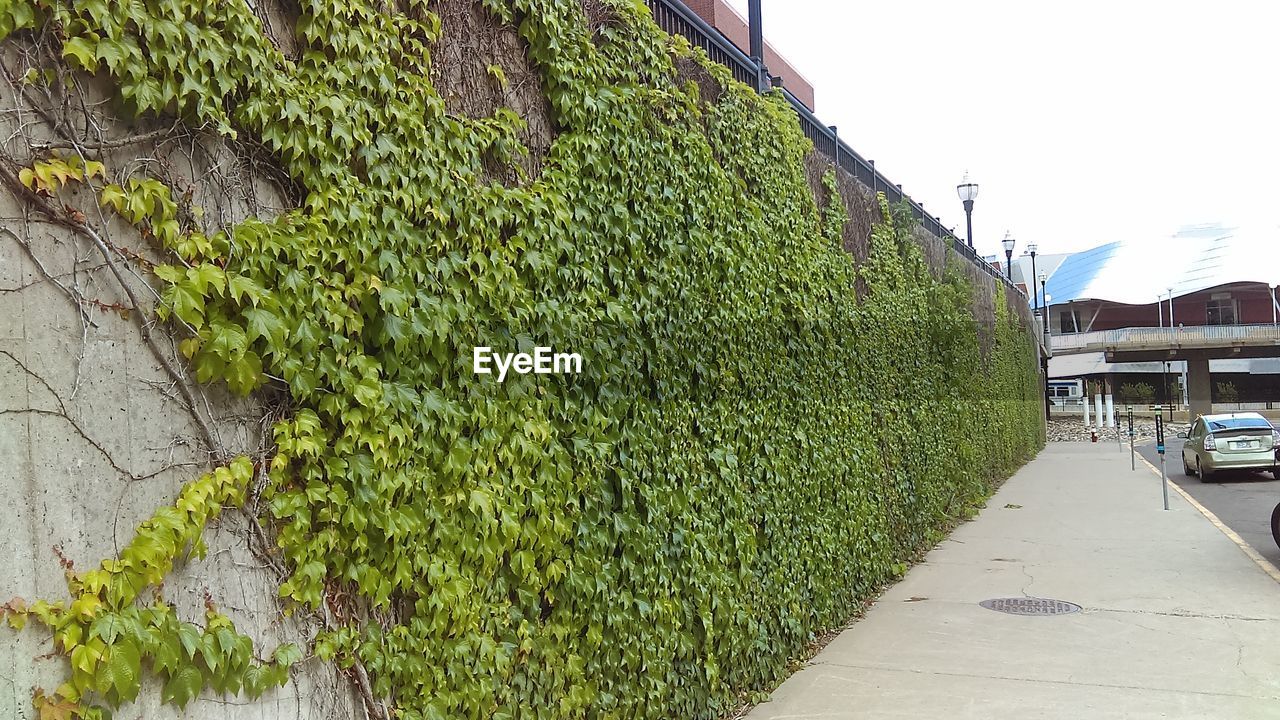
x=1243, y=501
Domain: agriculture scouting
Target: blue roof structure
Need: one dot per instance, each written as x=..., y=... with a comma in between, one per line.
x=1142, y=272
x=1073, y=277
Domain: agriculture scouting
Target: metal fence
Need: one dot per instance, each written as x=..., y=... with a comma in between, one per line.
x=677, y=19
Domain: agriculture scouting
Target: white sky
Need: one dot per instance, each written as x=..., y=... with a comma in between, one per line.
x=1082, y=122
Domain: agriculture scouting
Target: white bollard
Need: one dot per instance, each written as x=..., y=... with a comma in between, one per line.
x=1084, y=402
x=1097, y=409
x=1111, y=410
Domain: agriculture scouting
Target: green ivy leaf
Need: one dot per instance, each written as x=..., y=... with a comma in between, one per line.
x=255, y=680
x=183, y=686
x=186, y=304
x=287, y=654
x=167, y=654
x=120, y=671
x=83, y=51
x=227, y=341
x=262, y=323
x=207, y=279
x=242, y=288
x=189, y=637
x=244, y=374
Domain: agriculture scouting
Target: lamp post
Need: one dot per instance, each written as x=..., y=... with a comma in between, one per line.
x=1031, y=250
x=1044, y=359
x=968, y=192
x=756, y=45
x=1044, y=306
x=1167, y=400
x=1048, y=342
x=1008, y=243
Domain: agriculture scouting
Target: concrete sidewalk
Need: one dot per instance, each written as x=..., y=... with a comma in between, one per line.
x=1177, y=621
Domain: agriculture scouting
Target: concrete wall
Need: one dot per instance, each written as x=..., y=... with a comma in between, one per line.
x=95, y=434
x=863, y=212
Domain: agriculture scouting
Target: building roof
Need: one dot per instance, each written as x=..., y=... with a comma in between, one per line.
x=1045, y=264
x=1142, y=272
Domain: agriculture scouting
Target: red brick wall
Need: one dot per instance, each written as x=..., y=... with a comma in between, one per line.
x=704, y=8
x=1253, y=306
x=734, y=27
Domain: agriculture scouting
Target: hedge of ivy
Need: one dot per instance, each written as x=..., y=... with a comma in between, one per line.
x=751, y=451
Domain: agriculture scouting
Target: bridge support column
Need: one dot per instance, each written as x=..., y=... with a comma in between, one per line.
x=1199, y=387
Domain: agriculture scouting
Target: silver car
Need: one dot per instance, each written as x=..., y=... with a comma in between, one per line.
x=1234, y=441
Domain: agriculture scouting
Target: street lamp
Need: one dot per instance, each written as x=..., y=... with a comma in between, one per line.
x=1167, y=400
x=756, y=45
x=1044, y=327
x=1031, y=250
x=1048, y=328
x=1008, y=243
x=968, y=192
x=1044, y=308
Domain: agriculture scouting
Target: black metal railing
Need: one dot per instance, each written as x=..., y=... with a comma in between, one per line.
x=677, y=19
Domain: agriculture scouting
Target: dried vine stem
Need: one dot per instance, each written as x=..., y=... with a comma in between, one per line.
x=75, y=298
x=154, y=136
x=374, y=708
x=10, y=179
x=261, y=548
x=258, y=542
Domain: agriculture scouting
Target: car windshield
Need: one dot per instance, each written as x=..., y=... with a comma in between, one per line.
x=1239, y=423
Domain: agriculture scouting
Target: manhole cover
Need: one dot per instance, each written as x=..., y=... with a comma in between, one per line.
x=1030, y=606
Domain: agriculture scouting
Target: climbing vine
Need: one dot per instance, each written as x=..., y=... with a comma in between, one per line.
x=751, y=451
x=106, y=631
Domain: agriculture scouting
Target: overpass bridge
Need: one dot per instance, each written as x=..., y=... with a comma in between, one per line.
x=1196, y=345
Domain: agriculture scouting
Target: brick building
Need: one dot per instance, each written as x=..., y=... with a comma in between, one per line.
x=733, y=27
x=1201, y=278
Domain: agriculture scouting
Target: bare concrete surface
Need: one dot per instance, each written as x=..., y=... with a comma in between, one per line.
x=95, y=435
x=1177, y=621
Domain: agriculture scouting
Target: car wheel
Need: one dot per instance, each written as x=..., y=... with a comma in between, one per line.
x=1275, y=524
x=1205, y=475
x=1186, y=469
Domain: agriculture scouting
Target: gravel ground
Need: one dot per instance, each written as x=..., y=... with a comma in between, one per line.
x=1073, y=430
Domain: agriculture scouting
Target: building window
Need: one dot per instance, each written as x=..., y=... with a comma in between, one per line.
x=1069, y=321
x=1220, y=311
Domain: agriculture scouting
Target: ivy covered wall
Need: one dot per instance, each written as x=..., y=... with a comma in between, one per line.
x=769, y=425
